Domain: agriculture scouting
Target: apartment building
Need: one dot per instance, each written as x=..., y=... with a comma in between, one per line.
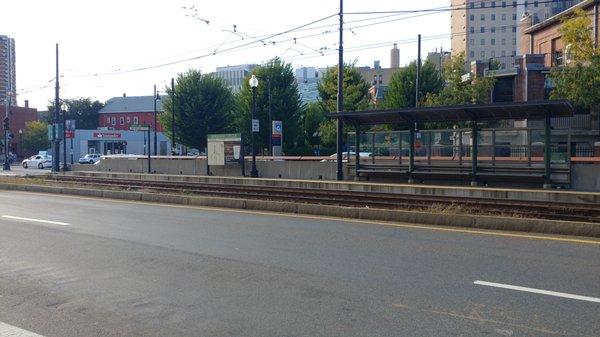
x=489, y=29
x=234, y=76
x=8, y=77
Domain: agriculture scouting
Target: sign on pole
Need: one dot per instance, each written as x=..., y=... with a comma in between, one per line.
x=277, y=138
x=255, y=125
x=224, y=149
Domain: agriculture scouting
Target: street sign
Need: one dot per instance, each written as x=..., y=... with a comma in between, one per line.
x=70, y=125
x=70, y=134
x=139, y=128
x=255, y=125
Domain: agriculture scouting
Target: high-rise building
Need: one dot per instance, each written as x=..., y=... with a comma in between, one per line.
x=395, y=57
x=234, y=76
x=8, y=77
x=488, y=29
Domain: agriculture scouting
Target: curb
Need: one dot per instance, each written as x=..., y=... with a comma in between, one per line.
x=544, y=226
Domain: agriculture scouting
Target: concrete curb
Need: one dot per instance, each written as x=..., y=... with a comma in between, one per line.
x=425, y=218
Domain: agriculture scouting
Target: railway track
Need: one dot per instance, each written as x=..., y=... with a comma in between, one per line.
x=518, y=208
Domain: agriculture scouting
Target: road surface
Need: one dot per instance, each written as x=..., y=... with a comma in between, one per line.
x=74, y=266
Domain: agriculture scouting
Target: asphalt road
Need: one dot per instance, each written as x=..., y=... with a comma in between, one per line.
x=18, y=170
x=113, y=268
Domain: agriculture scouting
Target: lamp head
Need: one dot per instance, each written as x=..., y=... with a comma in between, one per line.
x=253, y=81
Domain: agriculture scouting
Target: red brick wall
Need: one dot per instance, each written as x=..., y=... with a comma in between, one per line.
x=19, y=116
x=144, y=118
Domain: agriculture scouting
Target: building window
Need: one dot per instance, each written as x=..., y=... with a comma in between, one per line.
x=493, y=30
x=472, y=5
x=122, y=121
x=514, y=17
x=482, y=54
x=482, y=29
x=503, y=53
x=503, y=4
x=514, y=41
x=514, y=29
x=503, y=29
x=493, y=53
x=471, y=17
x=107, y=120
x=525, y=3
x=113, y=121
x=493, y=17
x=504, y=42
x=535, y=4
x=472, y=42
x=472, y=30
x=493, y=42
x=472, y=54
x=503, y=17
x=493, y=4
x=514, y=4
x=482, y=17
x=482, y=42
x=482, y=4
x=135, y=120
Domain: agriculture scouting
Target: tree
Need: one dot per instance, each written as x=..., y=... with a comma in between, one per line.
x=401, y=92
x=459, y=90
x=83, y=110
x=579, y=80
x=203, y=105
x=355, y=90
x=286, y=105
x=35, y=137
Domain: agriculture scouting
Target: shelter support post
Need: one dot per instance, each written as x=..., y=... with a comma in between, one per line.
x=474, y=148
x=547, y=151
x=356, y=152
x=411, y=155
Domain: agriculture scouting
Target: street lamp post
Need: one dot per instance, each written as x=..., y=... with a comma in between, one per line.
x=156, y=98
x=21, y=143
x=253, y=84
x=64, y=136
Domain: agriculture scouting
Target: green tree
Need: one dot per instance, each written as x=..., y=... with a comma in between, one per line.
x=83, y=110
x=203, y=105
x=286, y=105
x=35, y=137
x=356, y=91
x=401, y=92
x=579, y=80
x=314, y=116
x=459, y=90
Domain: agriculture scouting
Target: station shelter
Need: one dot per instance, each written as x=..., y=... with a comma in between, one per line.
x=484, y=145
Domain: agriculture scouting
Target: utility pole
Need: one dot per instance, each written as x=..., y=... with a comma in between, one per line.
x=270, y=118
x=418, y=81
x=55, y=120
x=173, y=139
x=155, y=121
x=340, y=98
x=7, y=99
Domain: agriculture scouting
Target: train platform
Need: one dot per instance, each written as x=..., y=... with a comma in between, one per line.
x=554, y=195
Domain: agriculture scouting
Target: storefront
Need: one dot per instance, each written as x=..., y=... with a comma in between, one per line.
x=104, y=142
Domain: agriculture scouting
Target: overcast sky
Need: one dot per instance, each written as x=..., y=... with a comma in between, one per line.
x=102, y=41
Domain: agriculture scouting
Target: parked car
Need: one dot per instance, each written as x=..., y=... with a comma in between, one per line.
x=39, y=161
x=91, y=158
x=333, y=157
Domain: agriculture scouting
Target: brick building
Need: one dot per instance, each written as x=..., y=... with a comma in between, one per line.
x=19, y=116
x=544, y=37
x=120, y=113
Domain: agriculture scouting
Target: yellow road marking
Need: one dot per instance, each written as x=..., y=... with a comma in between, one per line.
x=330, y=218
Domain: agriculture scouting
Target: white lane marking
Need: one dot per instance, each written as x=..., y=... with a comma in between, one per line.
x=12, y=331
x=538, y=291
x=35, y=220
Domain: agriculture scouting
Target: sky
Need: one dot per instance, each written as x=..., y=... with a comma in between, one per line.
x=111, y=47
